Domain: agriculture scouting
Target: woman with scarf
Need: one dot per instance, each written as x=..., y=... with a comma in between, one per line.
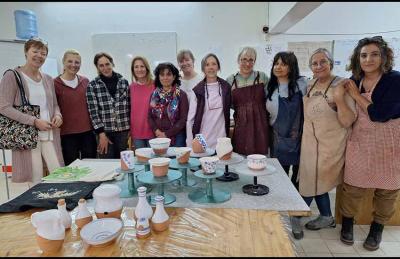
x=168, y=105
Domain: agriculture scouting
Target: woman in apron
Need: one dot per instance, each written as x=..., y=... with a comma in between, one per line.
x=250, y=134
x=285, y=92
x=328, y=114
x=373, y=148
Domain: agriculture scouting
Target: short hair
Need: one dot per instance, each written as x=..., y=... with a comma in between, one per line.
x=387, y=56
x=204, y=61
x=70, y=52
x=100, y=55
x=327, y=54
x=166, y=66
x=182, y=53
x=247, y=51
x=149, y=76
x=36, y=43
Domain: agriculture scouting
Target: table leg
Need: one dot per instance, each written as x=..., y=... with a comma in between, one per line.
x=255, y=189
x=228, y=176
x=168, y=198
x=185, y=181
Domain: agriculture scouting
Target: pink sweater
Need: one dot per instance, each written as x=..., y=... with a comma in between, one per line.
x=140, y=102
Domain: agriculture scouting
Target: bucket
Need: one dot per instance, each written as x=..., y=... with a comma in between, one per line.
x=25, y=23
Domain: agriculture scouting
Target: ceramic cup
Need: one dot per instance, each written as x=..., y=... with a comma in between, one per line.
x=160, y=145
x=183, y=154
x=209, y=164
x=127, y=160
x=143, y=154
x=199, y=144
x=256, y=161
x=159, y=166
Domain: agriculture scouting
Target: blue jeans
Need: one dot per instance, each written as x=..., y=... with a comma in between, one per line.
x=141, y=143
x=323, y=203
x=180, y=139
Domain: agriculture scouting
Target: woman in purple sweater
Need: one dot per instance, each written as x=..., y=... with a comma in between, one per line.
x=168, y=106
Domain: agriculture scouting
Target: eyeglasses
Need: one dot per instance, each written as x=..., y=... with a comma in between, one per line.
x=322, y=63
x=245, y=60
x=37, y=39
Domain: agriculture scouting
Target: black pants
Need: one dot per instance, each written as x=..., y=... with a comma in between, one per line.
x=79, y=145
x=295, y=170
x=120, y=143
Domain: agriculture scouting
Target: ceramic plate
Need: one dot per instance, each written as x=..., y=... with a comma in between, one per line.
x=101, y=231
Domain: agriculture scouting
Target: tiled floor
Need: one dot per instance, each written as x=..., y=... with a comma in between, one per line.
x=321, y=243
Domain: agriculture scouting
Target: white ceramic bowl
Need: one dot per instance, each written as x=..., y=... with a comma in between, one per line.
x=159, y=161
x=209, y=164
x=160, y=143
x=256, y=161
x=101, y=231
x=159, y=166
x=180, y=151
x=144, y=152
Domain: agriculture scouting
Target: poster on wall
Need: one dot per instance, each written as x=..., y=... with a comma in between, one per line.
x=303, y=51
x=266, y=54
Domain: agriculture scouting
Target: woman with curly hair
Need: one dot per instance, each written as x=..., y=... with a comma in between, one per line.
x=168, y=106
x=373, y=149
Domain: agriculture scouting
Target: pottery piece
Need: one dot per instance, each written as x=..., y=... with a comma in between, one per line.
x=83, y=216
x=256, y=161
x=160, y=219
x=224, y=148
x=144, y=154
x=160, y=145
x=183, y=154
x=199, y=144
x=65, y=217
x=127, y=160
x=159, y=166
x=209, y=164
x=108, y=203
x=101, y=232
x=143, y=208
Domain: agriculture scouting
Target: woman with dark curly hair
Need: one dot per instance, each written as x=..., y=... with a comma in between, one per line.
x=168, y=105
x=373, y=149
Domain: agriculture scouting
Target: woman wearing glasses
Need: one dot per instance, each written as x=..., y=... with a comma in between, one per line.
x=209, y=108
x=373, y=148
x=78, y=139
x=250, y=135
x=328, y=115
x=39, y=90
x=168, y=106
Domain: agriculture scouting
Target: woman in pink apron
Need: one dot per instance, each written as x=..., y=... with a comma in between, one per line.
x=328, y=114
x=373, y=148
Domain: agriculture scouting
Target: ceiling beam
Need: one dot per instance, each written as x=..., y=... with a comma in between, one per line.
x=295, y=14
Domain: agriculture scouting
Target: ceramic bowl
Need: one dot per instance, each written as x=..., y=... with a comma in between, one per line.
x=159, y=166
x=256, y=161
x=101, y=231
x=182, y=154
x=209, y=164
x=144, y=154
x=160, y=145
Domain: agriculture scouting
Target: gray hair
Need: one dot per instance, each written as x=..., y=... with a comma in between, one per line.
x=249, y=51
x=326, y=52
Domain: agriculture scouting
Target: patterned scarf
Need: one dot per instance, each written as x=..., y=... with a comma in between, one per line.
x=161, y=100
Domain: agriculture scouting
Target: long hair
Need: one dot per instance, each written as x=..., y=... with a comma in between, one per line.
x=289, y=59
x=386, y=55
x=149, y=77
x=169, y=66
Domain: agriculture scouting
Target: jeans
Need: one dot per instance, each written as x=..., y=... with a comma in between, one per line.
x=120, y=143
x=141, y=143
x=323, y=203
x=79, y=145
x=180, y=139
x=295, y=169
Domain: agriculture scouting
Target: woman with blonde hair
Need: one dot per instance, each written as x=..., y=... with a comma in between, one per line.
x=39, y=90
x=78, y=139
x=141, y=89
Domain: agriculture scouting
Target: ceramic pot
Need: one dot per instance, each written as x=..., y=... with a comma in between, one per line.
x=143, y=154
x=183, y=154
x=256, y=161
x=127, y=160
x=160, y=145
x=108, y=203
x=209, y=164
x=159, y=166
x=224, y=148
x=199, y=144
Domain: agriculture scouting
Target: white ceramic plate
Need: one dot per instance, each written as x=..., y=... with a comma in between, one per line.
x=101, y=231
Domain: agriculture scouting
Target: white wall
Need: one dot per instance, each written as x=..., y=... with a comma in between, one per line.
x=201, y=27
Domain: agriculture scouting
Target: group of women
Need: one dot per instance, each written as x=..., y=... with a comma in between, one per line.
x=328, y=130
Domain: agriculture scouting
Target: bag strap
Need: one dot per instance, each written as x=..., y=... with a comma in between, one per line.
x=24, y=100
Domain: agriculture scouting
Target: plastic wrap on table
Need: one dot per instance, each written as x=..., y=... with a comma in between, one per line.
x=192, y=232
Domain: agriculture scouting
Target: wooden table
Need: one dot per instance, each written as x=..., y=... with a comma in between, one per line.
x=192, y=232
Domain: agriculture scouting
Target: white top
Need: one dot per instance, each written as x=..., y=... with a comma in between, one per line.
x=213, y=122
x=37, y=96
x=273, y=105
x=188, y=85
x=71, y=83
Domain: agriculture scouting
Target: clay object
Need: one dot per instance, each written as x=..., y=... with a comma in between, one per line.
x=143, y=154
x=48, y=245
x=256, y=161
x=160, y=219
x=159, y=166
x=83, y=216
x=65, y=217
x=127, y=160
x=224, y=148
x=108, y=203
x=160, y=145
x=183, y=154
x=209, y=164
x=143, y=228
x=199, y=144
x=143, y=208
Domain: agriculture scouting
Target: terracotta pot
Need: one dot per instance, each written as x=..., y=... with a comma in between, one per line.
x=49, y=246
x=113, y=214
x=83, y=221
x=159, y=171
x=161, y=151
x=142, y=158
x=159, y=227
x=197, y=147
x=226, y=156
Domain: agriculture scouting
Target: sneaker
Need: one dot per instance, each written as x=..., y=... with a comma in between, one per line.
x=297, y=229
x=321, y=222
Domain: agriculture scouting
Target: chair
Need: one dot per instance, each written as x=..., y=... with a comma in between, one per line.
x=4, y=170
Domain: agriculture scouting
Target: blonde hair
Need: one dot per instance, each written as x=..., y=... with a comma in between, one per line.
x=68, y=52
x=149, y=76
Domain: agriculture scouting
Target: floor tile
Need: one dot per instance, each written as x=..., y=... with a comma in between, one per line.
x=336, y=246
x=391, y=248
x=311, y=234
x=345, y=255
x=301, y=255
x=358, y=246
x=319, y=254
x=314, y=246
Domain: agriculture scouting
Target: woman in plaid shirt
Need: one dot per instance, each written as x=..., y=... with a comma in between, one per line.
x=109, y=107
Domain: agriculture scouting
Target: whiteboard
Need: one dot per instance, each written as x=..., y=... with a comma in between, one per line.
x=156, y=47
x=343, y=49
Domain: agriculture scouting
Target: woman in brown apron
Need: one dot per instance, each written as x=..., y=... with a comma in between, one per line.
x=373, y=148
x=250, y=135
x=328, y=113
